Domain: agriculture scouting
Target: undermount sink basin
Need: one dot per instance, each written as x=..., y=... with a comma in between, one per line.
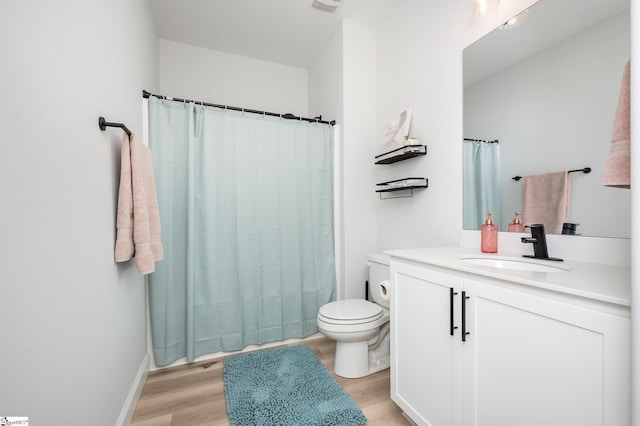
x=514, y=264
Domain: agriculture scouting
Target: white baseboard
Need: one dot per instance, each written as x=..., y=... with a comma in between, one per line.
x=129, y=407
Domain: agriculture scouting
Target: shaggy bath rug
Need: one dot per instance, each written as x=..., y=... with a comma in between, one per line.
x=285, y=386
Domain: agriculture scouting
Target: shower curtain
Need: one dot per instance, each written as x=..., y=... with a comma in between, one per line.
x=247, y=224
x=481, y=185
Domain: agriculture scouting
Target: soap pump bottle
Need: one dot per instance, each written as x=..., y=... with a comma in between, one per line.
x=517, y=225
x=489, y=236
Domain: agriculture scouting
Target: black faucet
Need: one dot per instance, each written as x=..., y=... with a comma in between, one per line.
x=539, y=240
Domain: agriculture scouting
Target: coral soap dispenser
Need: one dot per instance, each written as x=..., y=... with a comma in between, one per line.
x=489, y=236
x=517, y=225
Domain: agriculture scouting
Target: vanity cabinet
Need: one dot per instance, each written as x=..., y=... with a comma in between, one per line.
x=426, y=360
x=529, y=358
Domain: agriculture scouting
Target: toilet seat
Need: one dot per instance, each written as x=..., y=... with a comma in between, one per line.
x=350, y=312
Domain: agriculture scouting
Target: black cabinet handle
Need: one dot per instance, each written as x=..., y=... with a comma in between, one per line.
x=451, y=326
x=464, y=316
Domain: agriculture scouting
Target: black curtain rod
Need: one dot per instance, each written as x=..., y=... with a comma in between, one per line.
x=288, y=116
x=585, y=170
x=103, y=124
x=481, y=140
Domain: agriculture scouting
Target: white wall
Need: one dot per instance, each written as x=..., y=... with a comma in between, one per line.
x=419, y=66
x=394, y=68
x=73, y=322
x=221, y=78
x=582, y=76
x=342, y=87
x=326, y=99
x=360, y=212
x=365, y=78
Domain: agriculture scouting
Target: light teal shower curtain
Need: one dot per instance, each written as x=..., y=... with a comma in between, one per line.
x=481, y=184
x=246, y=206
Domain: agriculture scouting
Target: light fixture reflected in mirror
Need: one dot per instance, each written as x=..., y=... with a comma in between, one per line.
x=480, y=8
x=516, y=21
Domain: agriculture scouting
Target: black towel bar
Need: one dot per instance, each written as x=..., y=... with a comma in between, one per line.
x=103, y=124
x=585, y=170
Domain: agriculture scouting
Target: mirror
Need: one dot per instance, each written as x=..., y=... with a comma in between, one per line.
x=547, y=91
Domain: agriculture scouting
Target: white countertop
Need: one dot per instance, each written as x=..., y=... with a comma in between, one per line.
x=606, y=283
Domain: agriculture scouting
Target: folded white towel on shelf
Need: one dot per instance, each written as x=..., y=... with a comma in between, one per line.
x=138, y=217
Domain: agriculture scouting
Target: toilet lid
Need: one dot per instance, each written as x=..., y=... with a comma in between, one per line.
x=351, y=310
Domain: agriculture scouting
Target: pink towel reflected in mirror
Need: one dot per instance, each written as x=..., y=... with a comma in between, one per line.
x=546, y=199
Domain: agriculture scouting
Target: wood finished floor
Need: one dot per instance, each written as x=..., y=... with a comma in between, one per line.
x=193, y=394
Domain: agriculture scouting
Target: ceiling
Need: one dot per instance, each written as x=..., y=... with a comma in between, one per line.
x=288, y=32
x=291, y=32
x=548, y=22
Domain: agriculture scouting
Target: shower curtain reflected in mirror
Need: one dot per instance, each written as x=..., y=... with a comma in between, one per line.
x=481, y=186
x=247, y=224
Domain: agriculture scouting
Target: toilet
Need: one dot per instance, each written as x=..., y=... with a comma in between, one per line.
x=361, y=327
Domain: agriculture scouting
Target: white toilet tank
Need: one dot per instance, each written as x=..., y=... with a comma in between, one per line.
x=379, y=275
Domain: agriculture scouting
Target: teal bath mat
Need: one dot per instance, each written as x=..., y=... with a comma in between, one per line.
x=285, y=387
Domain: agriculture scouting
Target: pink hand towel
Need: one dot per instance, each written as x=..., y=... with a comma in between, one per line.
x=617, y=172
x=138, y=215
x=124, y=218
x=546, y=200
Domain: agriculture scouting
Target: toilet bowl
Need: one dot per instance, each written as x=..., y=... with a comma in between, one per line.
x=361, y=327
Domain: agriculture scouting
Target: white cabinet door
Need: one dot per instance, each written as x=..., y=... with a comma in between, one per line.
x=532, y=360
x=426, y=359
